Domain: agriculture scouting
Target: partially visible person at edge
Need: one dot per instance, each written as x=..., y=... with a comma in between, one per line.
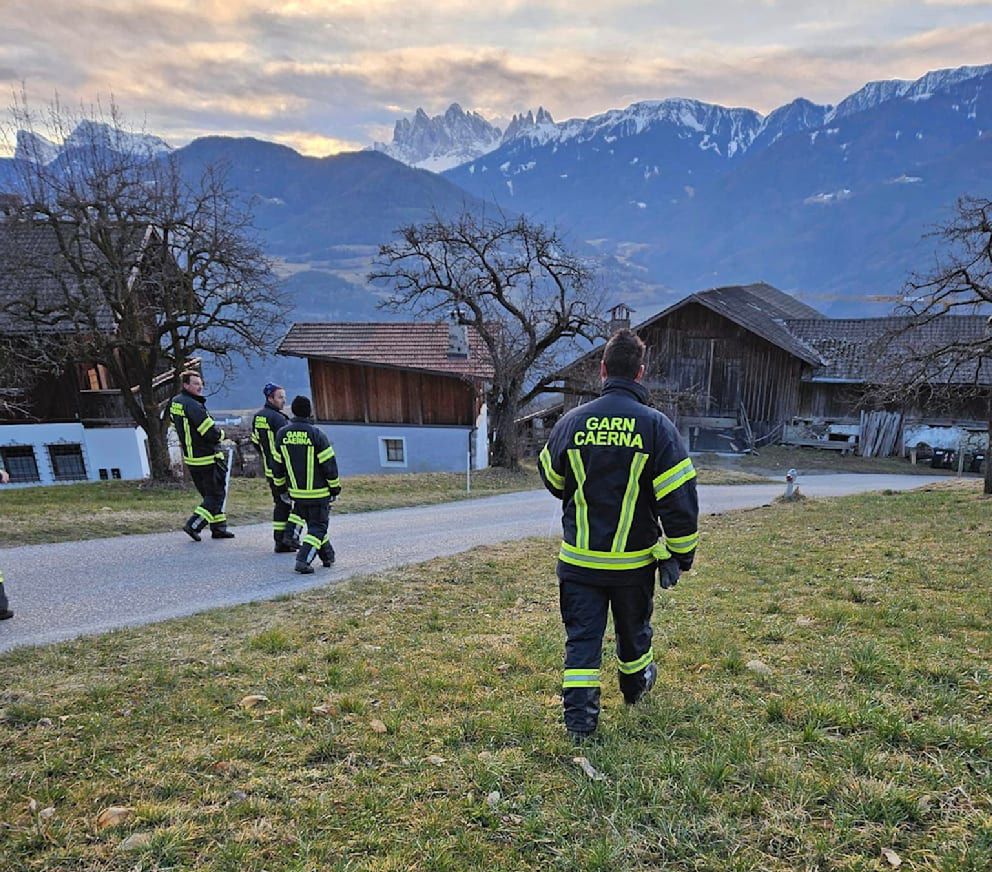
x=200, y=438
x=305, y=457
x=268, y=421
x=618, y=466
x=5, y=611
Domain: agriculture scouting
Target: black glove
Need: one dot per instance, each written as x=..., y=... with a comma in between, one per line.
x=668, y=573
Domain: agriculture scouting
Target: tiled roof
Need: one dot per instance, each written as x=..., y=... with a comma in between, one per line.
x=402, y=345
x=33, y=272
x=871, y=349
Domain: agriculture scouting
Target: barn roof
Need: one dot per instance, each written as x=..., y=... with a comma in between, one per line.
x=873, y=349
x=760, y=308
x=402, y=345
x=34, y=274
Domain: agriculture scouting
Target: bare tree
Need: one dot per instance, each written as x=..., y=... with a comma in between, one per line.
x=143, y=269
x=928, y=365
x=515, y=282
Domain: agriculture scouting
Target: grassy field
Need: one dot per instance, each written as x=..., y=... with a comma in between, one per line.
x=825, y=697
x=777, y=459
x=94, y=509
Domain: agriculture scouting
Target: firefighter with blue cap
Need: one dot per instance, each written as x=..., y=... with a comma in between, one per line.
x=267, y=422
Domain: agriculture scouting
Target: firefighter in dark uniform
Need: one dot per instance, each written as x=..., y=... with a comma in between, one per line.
x=200, y=438
x=306, y=459
x=619, y=467
x=5, y=611
x=268, y=421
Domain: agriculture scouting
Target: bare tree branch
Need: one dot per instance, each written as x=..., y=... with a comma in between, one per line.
x=514, y=281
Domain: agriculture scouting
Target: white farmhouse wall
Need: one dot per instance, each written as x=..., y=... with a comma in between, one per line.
x=110, y=448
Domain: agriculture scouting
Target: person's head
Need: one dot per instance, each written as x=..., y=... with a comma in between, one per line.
x=623, y=356
x=193, y=383
x=275, y=395
x=301, y=407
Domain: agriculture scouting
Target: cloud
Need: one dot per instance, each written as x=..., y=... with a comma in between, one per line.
x=333, y=75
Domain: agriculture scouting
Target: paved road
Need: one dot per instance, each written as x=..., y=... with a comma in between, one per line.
x=76, y=588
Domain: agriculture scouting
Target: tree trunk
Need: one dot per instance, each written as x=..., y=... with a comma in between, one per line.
x=158, y=449
x=504, y=452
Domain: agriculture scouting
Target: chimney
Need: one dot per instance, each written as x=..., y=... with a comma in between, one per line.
x=620, y=318
x=457, y=339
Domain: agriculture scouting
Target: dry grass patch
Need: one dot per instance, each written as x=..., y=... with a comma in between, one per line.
x=411, y=721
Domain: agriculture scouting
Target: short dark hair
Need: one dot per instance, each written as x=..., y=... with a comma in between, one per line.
x=301, y=407
x=189, y=374
x=624, y=354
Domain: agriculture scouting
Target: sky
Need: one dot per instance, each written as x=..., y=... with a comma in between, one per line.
x=334, y=75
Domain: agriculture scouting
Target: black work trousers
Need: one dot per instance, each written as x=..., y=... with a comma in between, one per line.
x=316, y=515
x=211, y=482
x=584, y=610
x=284, y=521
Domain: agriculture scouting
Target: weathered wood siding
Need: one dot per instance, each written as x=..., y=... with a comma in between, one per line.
x=352, y=393
x=696, y=351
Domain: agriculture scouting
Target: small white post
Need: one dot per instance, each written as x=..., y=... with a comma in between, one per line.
x=960, y=458
x=468, y=473
x=790, y=483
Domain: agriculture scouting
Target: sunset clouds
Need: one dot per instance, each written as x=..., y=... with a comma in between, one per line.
x=327, y=76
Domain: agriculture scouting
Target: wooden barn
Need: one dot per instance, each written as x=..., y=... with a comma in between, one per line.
x=397, y=396
x=749, y=364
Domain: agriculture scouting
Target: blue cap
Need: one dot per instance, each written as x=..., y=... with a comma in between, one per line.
x=270, y=389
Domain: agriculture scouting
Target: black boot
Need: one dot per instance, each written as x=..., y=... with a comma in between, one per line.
x=303, y=558
x=221, y=533
x=193, y=527
x=5, y=611
x=650, y=677
x=326, y=554
x=282, y=548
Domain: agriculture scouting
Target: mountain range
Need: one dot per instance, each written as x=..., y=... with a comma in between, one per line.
x=454, y=138
x=831, y=202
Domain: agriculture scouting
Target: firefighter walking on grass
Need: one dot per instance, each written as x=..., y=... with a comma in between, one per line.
x=200, y=438
x=305, y=458
x=268, y=421
x=619, y=467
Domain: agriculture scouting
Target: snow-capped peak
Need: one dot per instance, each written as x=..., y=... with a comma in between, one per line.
x=876, y=93
x=732, y=130
x=37, y=149
x=443, y=141
x=530, y=123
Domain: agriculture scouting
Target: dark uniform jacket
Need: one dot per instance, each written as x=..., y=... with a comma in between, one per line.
x=619, y=467
x=267, y=423
x=199, y=436
x=305, y=458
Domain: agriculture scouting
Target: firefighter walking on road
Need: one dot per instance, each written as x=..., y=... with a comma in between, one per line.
x=619, y=467
x=268, y=421
x=304, y=456
x=200, y=438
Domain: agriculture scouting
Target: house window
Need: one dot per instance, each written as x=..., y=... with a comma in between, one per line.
x=67, y=462
x=20, y=462
x=392, y=451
